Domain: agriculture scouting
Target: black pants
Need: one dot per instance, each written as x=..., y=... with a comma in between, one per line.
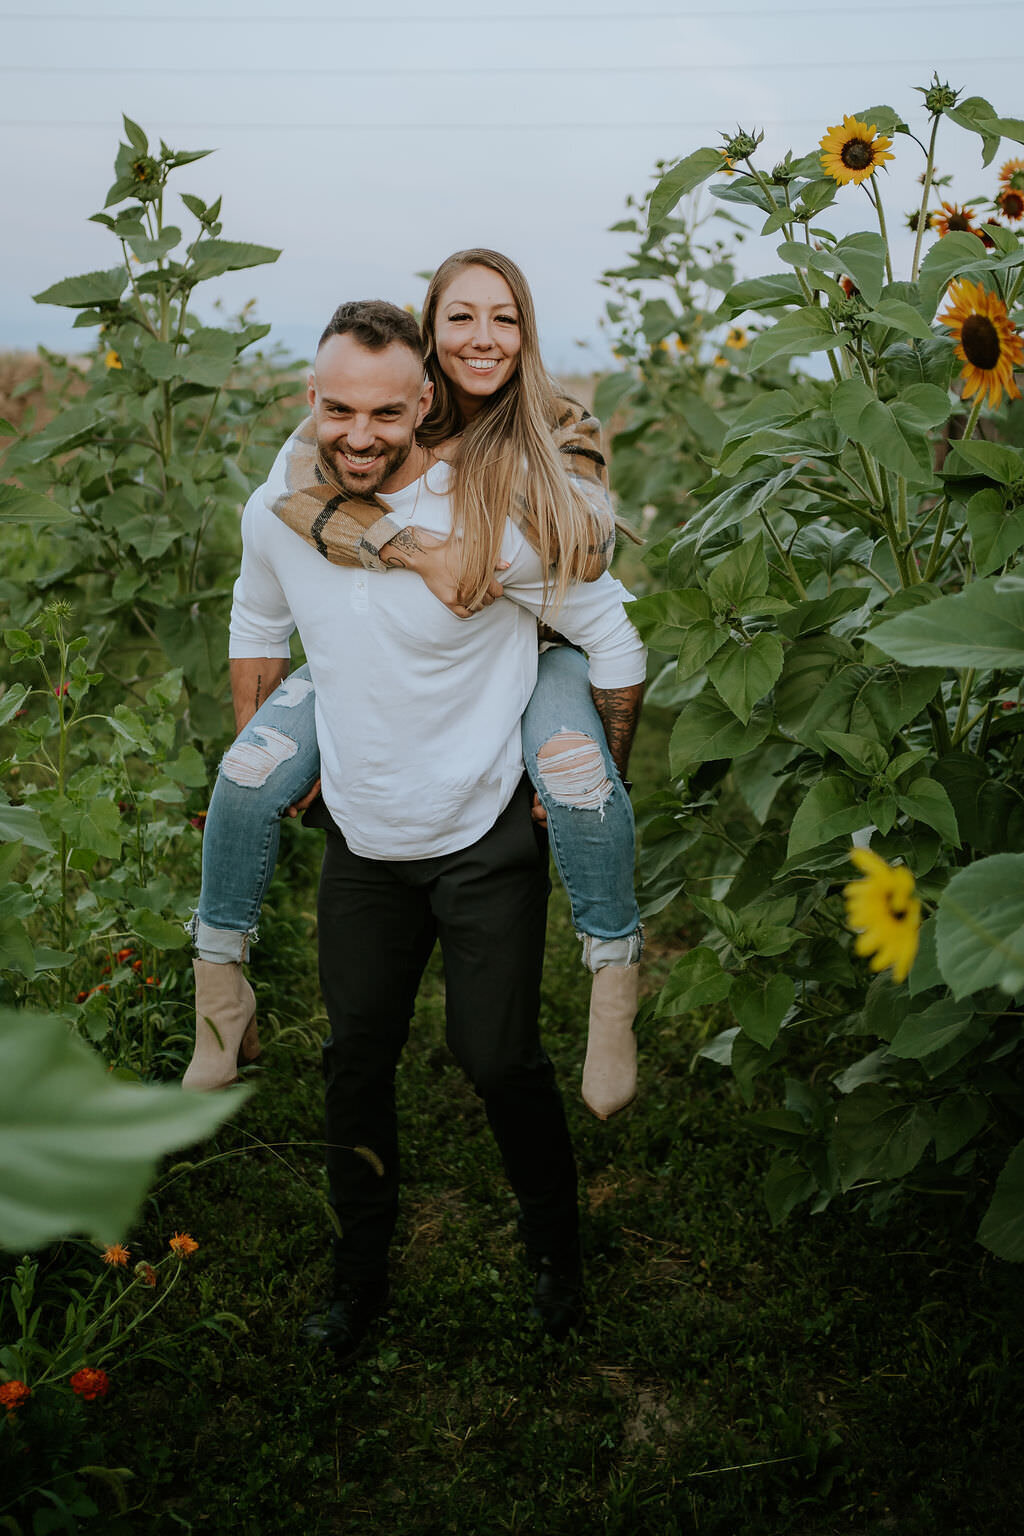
x=378, y=921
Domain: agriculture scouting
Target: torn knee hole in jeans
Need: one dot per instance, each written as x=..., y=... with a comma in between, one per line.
x=572, y=769
x=250, y=763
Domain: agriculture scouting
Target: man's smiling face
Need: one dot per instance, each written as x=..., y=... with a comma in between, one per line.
x=366, y=407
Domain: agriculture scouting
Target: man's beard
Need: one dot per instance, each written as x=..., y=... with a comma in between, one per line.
x=390, y=462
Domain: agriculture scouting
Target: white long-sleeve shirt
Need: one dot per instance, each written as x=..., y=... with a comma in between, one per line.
x=417, y=712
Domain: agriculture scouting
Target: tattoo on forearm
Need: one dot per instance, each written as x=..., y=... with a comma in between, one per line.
x=619, y=709
x=404, y=544
x=259, y=690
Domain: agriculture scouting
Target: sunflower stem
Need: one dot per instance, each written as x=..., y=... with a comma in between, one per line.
x=922, y=217
x=934, y=552
x=876, y=198
x=787, y=558
x=961, y=725
x=972, y=420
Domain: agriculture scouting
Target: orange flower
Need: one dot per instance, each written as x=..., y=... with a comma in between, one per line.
x=183, y=1245
x=1012, y=175
x=954, y=217
x=112, y=360
x=123, y=955
x=987, y=342
x=90, y=1383
x=116, y=1253
x=1011, y=204
x=14, y=1394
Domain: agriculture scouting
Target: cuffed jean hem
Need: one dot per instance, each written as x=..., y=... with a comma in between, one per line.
x=222, y=946
x=597, y=952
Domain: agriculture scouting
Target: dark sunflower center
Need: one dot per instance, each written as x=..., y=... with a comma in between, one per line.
x=980, y=341
x=960, y=221
x=1013, y=204
x=856, y=155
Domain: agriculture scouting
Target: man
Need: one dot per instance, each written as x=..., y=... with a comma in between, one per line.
x=429, y=828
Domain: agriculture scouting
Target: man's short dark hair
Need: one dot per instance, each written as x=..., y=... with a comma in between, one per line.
x=375, y=324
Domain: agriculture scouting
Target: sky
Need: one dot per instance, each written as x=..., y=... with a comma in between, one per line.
x=370, y=141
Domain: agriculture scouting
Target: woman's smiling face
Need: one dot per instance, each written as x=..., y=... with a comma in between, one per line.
x=476, y=335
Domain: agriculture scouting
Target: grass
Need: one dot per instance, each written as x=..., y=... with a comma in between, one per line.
x=830, y=1376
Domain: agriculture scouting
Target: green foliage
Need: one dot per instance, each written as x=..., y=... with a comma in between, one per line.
x=840, y=615
x=79, y=1147
x=159, y=441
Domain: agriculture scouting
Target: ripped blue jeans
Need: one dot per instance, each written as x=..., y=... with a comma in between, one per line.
x=276, y=760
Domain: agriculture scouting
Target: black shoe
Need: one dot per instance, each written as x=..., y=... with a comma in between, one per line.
x=558, y=1297
x=344, y=1326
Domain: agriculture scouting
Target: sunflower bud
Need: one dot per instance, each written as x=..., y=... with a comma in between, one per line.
x=914, y=221
x=742, y=146
x=782, y=174
x=937, y=97
x=146, y=178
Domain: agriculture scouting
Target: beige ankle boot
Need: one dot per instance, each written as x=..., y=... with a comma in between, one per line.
x=609, y=1071
x=225, y=1026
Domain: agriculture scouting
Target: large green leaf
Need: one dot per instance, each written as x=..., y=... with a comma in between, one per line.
x=761, y=293
x=831, y=808
x=861, y=257
x=878, y=1135
x=741, y=577
x=960, y=1117
x=996, y=460
x=706, y=730
x=213, y=257
x=996, y=533
x=760, y=1003
x=868, y=701
x=980, y=627
x=744, y=673
x=67, y=430
x=924, y=800
x=1002, y=1226
x=958, y=254
x=980, y=926
x=888, y=432
x=664, y=618
x=683, y=178
x=92, y=288
x=948, y=1030
x=31, y=509
x=786, y=1184
x=696, y=979
x=795, y=335
x=77, y=1148
x=20, y=823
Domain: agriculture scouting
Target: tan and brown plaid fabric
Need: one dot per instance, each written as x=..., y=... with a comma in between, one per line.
x=349, y=531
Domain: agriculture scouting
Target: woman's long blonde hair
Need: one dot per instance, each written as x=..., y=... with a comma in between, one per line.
x=506, y=464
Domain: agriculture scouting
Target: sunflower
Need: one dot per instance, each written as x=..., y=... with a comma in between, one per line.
x=852, y=152
x=884, y=913
x=1010, y=203
x=987, y=342
x=914, y=221
x=954, y=217
x=737, y=338
x=1012, y=175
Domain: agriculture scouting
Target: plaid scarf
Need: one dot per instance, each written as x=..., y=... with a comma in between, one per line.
x=347, y=530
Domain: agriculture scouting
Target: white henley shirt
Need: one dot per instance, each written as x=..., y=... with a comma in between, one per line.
x=417, y=712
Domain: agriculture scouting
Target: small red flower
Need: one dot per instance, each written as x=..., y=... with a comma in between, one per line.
x=182, y=1244
x=123, y=955
x=199, y=822
x=145, y=1272
x=90, y=1383
x=14, y=1394
x=60, y=692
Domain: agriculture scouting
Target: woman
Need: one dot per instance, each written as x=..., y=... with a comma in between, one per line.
x=520, y=450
